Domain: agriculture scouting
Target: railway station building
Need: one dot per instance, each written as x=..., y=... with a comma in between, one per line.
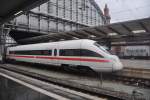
x=59, y=16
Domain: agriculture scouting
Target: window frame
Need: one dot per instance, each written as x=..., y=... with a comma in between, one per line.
x=32, y=52
x=79, y=54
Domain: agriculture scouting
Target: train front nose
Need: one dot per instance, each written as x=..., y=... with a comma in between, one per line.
x=117, y=65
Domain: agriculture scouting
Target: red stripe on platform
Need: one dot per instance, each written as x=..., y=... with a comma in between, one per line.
x=62, y=58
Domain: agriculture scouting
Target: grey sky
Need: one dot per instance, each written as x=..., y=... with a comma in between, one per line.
x=123, y=10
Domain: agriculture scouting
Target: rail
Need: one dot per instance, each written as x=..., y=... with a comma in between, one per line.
x=105, y=92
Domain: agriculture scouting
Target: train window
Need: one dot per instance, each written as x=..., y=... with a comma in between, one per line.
x=11, y=52
x=89, y=53
x=70, y=52
x=33, y=52
x=101, y=47
x=66, y=52
x=78, y=52
x=46, y=52
x=62, y=53
x=50, y=52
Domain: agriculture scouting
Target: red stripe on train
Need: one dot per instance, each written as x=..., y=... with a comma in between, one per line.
x=62, y=58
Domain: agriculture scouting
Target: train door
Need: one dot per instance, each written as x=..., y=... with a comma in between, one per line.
x=55, y=56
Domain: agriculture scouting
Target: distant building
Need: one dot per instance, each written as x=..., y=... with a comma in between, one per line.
x=107, y=15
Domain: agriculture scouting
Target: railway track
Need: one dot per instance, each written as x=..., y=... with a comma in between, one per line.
x=106, y=93
x=129, y=76
x=50, y=89
x=133, y=76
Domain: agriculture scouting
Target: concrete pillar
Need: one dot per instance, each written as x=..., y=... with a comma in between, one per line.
x=1, y=47
x=2, y=44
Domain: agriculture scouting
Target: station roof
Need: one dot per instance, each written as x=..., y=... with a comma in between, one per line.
x=18, y=34
x=12, y=8
x=130, y=31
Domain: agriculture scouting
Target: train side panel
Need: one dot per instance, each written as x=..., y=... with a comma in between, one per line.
x=71, y=58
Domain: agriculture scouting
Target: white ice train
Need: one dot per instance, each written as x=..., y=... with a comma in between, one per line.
x=83, y=53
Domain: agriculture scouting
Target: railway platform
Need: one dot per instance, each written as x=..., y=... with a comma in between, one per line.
x=139, y=69
x=132, y=63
